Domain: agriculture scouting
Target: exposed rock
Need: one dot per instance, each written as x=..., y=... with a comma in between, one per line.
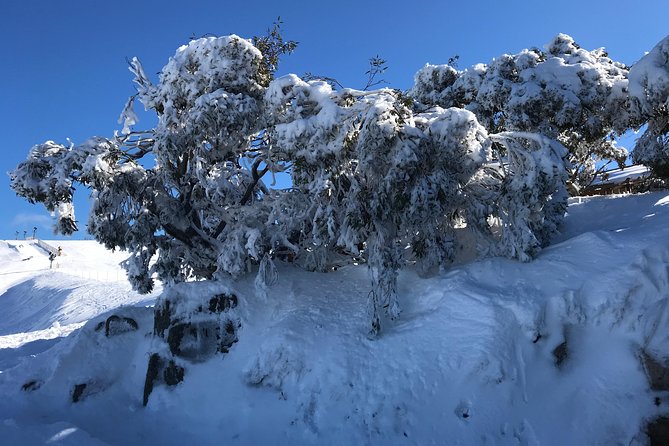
x=199, y=335
x=151, y=374
x=161, y=318
x=115, y=325
x=192, y=332
x=229, y=336
x=222, y=302
x=78, y=392
x=173, y=374
x=560, y=354
x=658, y=431
x=464, y=410
x=657, y=372
x=31, y=385
x=161, y=370
x=195, y=341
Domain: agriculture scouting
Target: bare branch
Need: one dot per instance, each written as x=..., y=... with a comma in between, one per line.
x=377, y=66
x=256, y=177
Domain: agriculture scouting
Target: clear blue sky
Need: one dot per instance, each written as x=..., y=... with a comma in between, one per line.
x=64, y=73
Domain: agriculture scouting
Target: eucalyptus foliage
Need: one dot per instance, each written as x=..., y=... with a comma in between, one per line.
x=468, y=163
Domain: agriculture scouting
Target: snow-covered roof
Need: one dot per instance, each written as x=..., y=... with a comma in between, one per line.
x=618, y=176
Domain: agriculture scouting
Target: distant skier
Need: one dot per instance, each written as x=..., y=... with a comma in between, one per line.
x=60, y=251
x=52, y=257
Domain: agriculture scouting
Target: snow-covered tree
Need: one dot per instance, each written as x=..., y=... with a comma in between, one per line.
x=567, y=93
x=391, y=186
x=376, y=176
x=180, y=197
x=533, y=197
x=649, y=89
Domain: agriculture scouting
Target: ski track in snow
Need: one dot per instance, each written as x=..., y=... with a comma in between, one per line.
x=470, y=361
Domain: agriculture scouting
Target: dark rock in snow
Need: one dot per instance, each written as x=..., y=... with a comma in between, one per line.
x=78, y=392
x=151, y=374
x=173, y=374
x=161, y=319
x=195, y=334
x=658, y=431
x=464, y=410
x=115, y=325
x=229, y=337
x=222, y=302
x=161, y=370
x=560, y=353
x=196, y=341
x=31, y=385
x=657, y=372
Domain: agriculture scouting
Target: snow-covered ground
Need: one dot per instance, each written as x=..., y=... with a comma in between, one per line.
x=472, y=360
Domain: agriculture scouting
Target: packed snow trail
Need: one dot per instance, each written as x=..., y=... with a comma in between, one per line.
x=494, y=352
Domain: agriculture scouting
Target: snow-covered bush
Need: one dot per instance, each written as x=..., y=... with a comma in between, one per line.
x=567, y=93
x=649, y=89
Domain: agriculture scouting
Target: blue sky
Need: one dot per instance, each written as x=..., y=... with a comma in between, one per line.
x=64, y=73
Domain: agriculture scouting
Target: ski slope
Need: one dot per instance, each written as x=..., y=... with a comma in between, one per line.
x=493, y=352
x=41, y=301
x=85, y=259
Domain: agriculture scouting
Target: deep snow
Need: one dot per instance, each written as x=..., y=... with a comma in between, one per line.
x=469, y=362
